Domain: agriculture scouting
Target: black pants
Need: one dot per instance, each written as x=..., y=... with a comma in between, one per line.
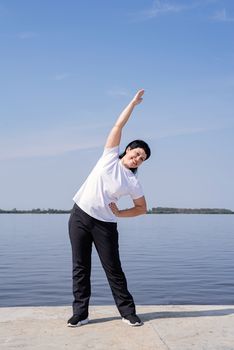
x=83, y=231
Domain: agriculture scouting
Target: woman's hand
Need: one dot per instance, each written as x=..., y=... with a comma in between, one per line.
x=115, y=210
x=138, y=97
x=139, y=208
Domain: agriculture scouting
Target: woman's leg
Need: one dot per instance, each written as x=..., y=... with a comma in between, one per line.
x=105, y=236
x=81, y=242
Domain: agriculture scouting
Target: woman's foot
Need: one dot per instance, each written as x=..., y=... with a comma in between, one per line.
x=132, y=320
x=76, y=321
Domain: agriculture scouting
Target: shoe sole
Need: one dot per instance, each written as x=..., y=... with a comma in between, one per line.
x=80, y=323
x=137, y=324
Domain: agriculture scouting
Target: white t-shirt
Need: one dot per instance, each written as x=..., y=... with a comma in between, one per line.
x=108, y=181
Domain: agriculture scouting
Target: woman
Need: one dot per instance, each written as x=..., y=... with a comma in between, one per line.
x=93, y=220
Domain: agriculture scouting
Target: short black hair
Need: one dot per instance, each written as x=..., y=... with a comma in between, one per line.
x=136, y=144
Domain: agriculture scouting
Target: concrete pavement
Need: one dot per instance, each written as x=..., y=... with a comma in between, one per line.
x=166, y=327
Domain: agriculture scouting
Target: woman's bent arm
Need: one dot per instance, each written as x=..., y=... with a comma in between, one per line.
x=139, y=208
x=114, y=136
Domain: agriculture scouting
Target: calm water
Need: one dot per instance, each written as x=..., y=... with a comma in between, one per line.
x=167, y=259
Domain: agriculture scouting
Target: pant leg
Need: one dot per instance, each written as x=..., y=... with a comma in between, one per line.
x=105, y=237
x=81, y=242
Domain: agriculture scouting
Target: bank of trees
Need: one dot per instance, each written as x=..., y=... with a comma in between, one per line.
x=162, y=210
x=35, y=211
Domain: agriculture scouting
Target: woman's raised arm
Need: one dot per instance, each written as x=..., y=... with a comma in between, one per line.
x=114, y=136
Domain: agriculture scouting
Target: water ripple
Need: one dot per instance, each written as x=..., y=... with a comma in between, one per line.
x=167, y=259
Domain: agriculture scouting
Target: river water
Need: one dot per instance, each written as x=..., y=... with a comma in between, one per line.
x=167, y=259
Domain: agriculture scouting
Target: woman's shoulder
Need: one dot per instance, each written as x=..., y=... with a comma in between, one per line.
x=111, y=150
x=110, y=154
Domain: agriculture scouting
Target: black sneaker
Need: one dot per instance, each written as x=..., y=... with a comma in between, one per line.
x=76, y=321
x=132, y=320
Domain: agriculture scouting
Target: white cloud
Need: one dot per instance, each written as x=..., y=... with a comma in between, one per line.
x=180, y=132
x=53, y=142
x=61, y=141
x=160, y=7
x=46, y=150
x=222, y=16
x=61, y=76
x=164, y=7
x=118, y=92
x=26, y=35
x=164, y=133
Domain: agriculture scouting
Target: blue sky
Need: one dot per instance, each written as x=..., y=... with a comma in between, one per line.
x=68, y=68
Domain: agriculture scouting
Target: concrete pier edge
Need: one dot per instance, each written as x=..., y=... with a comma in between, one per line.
x=173, y=327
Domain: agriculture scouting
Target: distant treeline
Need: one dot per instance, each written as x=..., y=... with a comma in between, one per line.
x=161, y=210
x=157, y=210
x=35, y=211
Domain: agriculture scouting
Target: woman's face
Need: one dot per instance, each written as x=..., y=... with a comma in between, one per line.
x=134, y=157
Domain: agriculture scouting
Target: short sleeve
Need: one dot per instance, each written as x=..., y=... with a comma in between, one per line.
x=136, y=190
x=111, y=152
x=109, y=156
